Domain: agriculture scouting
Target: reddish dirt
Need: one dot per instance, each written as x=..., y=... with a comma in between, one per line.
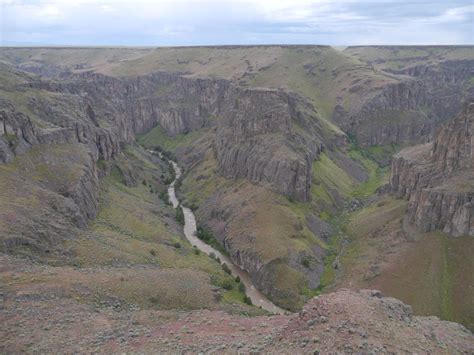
x=51, y=318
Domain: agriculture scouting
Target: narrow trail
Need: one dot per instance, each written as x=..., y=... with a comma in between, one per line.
x=258, y=299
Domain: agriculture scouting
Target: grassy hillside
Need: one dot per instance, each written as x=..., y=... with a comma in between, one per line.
x=400, y=57
x=431, y=272
x=251, y=217
x=134, y=252
x=254, y=217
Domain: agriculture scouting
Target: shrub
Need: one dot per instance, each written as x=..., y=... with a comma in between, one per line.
x=305, y=262
x=207, y=237
x=178, y=183
x=164, y=197
x=180, y=215
x=154, y=300
x=153, y=252
x=12, y=139
x=168, y=180
x=237, y=279
x=226, y=269
x=177, y=245
x=227, y=284
x=247, y=300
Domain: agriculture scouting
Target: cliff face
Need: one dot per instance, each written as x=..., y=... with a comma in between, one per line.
x=254, y=126
x=411, y=110
x=438, y=178
x=258, y=139
x=269, y=137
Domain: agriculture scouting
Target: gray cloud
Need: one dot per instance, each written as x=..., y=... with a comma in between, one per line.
x=165, y=22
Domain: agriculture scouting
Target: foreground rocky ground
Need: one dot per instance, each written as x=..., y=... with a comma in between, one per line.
x=41, y=316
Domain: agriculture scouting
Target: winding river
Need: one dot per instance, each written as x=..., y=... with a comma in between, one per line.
x=257, y=298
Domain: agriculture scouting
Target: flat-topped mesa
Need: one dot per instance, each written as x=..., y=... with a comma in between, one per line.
x=438, y=178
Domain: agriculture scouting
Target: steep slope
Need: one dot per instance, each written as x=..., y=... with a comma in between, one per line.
x=432, y=84
x=438, y=178
x=429, y=271
x=381, y=95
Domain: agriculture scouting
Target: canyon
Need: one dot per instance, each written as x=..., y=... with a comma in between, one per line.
x=282, y=149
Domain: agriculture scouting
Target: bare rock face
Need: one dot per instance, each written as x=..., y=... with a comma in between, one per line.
x=17, y=134
x=47, y=194
x=451, y=212
x=453, y=148
x=268, y=136
x=438, y=178
x=411, y=110
x=257, y=139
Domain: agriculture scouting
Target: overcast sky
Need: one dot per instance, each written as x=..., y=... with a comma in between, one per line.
x=163, y=23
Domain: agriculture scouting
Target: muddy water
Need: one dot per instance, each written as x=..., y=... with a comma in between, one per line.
x=258, y=298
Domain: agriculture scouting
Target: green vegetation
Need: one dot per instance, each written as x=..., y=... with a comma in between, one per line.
x=135, y=228
x=179, y=215
x=328, y=176
x=226, y=268
x=432, y=277
x=166, y=143
x=163, y=195
x=11, y=139
x=387, y=57
x=375, y=175
x=247, y=300
x=206, y=235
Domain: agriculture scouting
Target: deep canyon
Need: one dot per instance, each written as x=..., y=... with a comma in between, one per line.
x=319, y=172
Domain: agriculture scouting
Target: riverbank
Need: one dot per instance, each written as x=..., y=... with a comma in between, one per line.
x=190, y=229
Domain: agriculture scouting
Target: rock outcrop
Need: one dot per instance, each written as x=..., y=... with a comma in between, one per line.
x=269, y=137
x=438, y=178
x=410, y=110
x=342, y=322
x=260, y=139
x=258, y=131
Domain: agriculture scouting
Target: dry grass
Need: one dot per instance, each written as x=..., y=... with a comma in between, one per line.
x=400, y=57
x=431, y=272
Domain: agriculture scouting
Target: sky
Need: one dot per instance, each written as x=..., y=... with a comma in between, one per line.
x=213, y=22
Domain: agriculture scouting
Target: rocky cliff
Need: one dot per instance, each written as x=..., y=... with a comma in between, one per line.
x=438, y=178
x=411, y=109
x=267, y=136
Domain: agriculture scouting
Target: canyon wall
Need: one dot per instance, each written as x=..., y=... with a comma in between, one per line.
x=438, y=178
x=259, y=136
x=411, y=110
x=254, y=126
